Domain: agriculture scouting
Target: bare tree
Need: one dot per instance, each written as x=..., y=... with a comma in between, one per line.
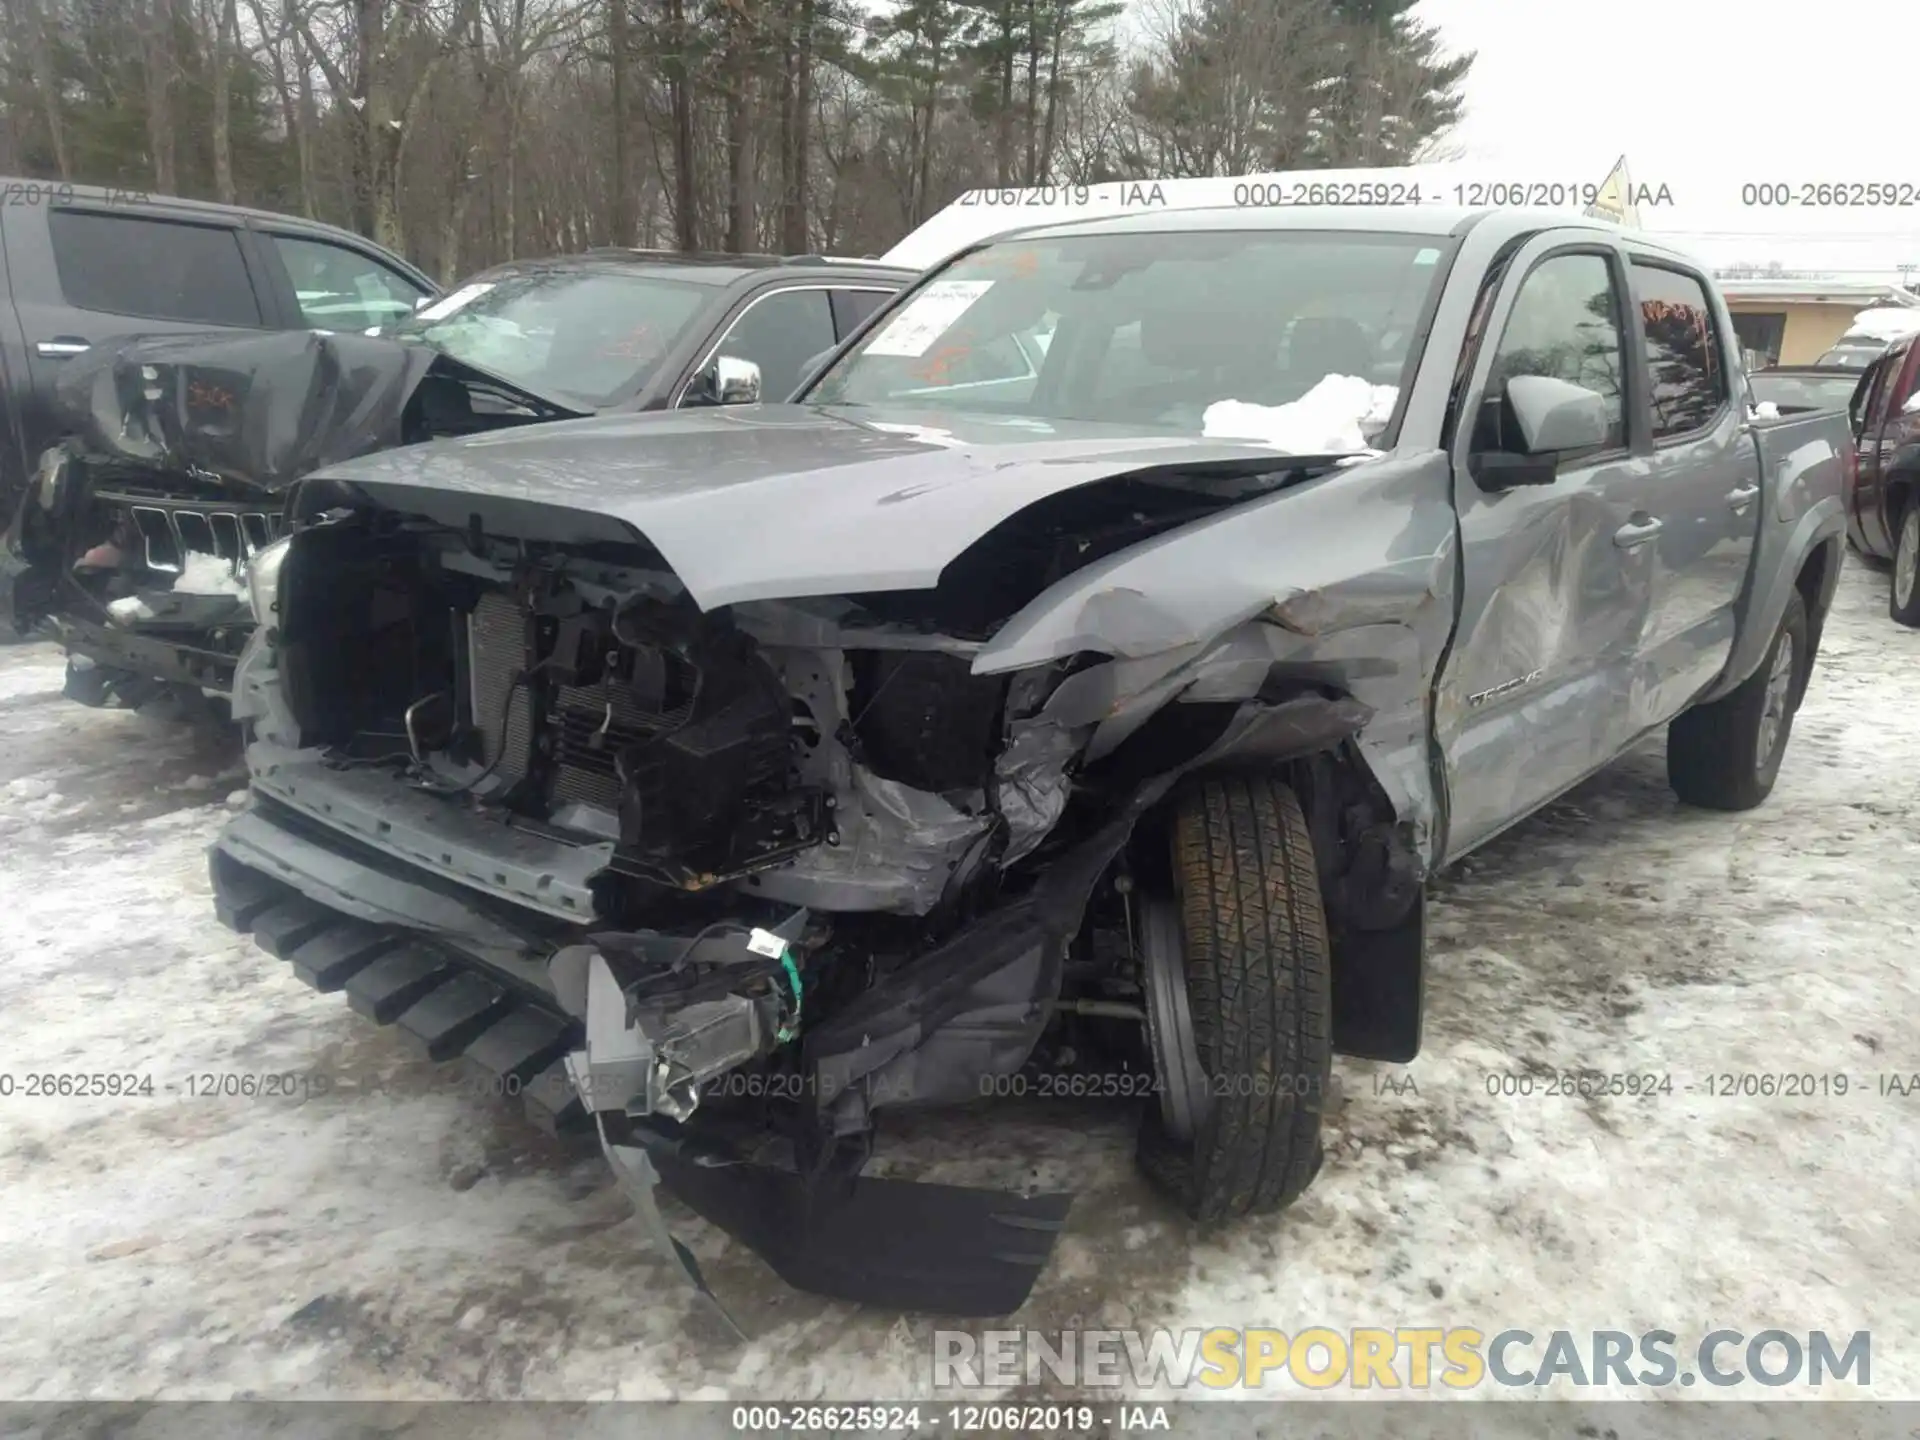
x=29, y=36
x=474, y=131
x=161, y=61
x=223, y=23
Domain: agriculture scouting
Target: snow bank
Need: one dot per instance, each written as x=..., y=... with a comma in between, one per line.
x=209, y=575
x=1341, y=413
x=1885, y=323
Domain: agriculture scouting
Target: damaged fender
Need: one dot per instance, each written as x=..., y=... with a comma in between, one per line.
x=1312, y=584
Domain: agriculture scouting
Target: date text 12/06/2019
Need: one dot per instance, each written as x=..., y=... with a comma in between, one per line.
x=1278, y=194
x=1466, y=195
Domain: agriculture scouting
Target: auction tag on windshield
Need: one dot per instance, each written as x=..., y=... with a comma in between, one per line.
x=447, y=304
x=928, y=317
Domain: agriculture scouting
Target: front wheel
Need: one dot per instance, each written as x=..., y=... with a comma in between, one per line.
x=1903, y=601
x=1240, y=1004
x=1726, y=755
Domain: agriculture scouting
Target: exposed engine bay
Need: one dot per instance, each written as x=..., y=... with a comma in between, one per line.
x=785, y=863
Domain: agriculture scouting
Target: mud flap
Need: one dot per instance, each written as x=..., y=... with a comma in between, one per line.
x=892, y=1244
x=1379, y=989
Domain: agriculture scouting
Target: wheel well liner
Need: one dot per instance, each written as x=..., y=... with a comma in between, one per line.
x=1816, y=579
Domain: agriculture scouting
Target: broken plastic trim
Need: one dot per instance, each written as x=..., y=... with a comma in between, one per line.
x=634, y=1169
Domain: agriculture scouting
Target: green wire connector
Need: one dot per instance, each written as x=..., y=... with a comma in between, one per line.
x=790, y=1027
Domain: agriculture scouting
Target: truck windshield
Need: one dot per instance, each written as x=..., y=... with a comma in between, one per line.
x=585, y=337
x=1228, y=332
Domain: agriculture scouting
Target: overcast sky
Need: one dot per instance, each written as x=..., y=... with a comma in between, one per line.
x=1705, y=96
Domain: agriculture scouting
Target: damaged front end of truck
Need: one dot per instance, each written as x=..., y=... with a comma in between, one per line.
x=745, y=812
x=132, y=543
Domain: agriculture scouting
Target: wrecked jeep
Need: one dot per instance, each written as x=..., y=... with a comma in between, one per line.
x=724, y=781
x=133, y=542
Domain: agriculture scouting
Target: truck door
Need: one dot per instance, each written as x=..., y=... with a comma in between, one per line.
x=1700, y=487
x=1556, y=574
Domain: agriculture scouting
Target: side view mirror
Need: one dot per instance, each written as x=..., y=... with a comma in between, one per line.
x=724, y=380
x=1552, y=417
x=1555, y=415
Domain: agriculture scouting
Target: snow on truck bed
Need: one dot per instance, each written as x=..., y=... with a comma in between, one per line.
x=400, y=1236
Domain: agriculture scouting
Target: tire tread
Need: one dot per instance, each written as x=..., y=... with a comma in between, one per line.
x=1259, y=981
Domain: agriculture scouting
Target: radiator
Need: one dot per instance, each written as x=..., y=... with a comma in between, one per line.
x=585, y=725
x=497, y=652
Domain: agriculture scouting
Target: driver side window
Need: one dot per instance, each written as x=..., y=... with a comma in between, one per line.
x=1565, y=324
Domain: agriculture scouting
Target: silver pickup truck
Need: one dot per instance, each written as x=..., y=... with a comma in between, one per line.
x=1071, y=695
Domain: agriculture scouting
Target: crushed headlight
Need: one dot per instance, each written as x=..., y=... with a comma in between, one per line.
x=263, y=579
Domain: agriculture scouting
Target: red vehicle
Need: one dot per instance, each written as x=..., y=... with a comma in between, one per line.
x=1883, y=495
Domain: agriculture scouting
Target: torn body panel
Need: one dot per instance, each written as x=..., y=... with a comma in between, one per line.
x=1301, y=588
x=267, y=409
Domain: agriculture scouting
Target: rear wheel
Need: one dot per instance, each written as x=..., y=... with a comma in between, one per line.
x=1903, y=602
x=1726, y=755
x=1240, y=1004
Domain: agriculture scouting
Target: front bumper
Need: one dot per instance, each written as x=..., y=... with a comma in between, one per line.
x=409, y=949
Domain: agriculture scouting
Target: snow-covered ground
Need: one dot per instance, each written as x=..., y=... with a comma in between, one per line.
x=400, y=1237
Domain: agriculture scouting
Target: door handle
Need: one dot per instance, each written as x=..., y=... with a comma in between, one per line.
x=1635, y=532
x=1741, y=498
x=62, y=346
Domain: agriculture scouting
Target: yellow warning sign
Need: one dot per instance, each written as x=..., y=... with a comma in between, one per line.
x=1615, y=201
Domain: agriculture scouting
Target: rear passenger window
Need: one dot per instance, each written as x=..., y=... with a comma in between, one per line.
x=1565, y=324
x=1683, y=350
x=160, y=269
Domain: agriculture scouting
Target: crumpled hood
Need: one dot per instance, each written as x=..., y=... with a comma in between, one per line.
x=262, y=408
x=784, y=501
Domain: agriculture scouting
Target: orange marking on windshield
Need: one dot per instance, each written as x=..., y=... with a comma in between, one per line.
x=637, y=344
x=1020, y=264
x=939, y=364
